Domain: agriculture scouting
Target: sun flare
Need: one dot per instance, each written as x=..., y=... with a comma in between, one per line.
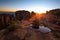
x=38, y=10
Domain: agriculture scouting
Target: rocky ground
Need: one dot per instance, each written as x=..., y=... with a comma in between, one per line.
x=23, y=33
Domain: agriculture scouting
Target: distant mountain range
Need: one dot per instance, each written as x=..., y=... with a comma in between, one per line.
x=10, y=13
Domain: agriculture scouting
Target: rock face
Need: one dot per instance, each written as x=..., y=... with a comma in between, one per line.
x=22, y=14
x=5, y=20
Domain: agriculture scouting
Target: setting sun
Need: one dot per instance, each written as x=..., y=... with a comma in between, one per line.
x=40, y=12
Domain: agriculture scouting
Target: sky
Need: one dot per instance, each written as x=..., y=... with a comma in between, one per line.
x=30, y=5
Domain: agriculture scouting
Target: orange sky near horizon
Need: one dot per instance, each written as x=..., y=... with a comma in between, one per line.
x=8, y=10
x=13, y=10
